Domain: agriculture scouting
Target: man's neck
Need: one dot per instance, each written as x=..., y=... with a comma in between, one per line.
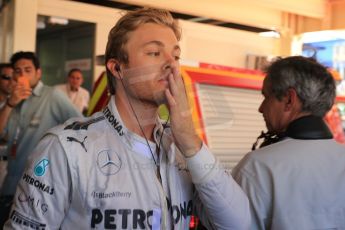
x=142, y=119
x=73, y=89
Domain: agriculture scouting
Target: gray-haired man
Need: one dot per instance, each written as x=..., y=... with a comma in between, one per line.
x=299, y=181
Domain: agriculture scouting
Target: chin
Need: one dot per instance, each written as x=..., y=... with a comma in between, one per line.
x=159, y=98
x=160, y=101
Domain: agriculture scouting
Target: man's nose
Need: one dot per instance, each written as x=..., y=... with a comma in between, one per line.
x=170, y=62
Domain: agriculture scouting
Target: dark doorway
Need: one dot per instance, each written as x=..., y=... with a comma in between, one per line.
x=63, y=44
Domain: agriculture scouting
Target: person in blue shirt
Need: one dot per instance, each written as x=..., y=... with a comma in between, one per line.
x=31, y=109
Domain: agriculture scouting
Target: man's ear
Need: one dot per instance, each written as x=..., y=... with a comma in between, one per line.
x=39, y=73
x=111, y=66
x=291, y=99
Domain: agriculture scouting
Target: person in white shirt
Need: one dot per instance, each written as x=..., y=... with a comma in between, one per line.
x=79, y=96
x=296, y=180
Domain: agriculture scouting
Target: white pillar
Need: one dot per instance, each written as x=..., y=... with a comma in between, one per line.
x=24, y=25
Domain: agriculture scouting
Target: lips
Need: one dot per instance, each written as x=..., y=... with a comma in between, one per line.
x=163, y=79
x=163, y=82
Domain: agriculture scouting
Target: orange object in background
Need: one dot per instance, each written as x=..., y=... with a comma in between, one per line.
x=193, y=223
x=24, y=81
x=335, y=74
x=334, y=122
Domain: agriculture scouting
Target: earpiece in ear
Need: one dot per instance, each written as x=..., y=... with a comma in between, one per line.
x=117, y=67
x=118, y=70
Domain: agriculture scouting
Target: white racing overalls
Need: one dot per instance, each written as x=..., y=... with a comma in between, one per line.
x=93, y=173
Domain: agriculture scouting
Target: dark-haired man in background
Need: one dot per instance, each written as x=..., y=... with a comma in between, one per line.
x=31, y=109
x=6, y=84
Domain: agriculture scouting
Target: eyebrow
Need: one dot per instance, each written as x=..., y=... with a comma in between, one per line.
x=25, y=67
x=159, y=43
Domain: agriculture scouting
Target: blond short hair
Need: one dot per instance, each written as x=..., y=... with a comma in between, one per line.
x=118, y=35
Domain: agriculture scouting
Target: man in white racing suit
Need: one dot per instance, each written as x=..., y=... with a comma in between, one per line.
x=121, y=168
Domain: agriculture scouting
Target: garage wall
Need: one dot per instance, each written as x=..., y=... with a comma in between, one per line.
x=200, y=42
x=231, y=119
x=224, y=46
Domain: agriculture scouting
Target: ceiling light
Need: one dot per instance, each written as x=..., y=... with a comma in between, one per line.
x=58, y=20
x=40, y=25
x=270, y=34
x=322, y=36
